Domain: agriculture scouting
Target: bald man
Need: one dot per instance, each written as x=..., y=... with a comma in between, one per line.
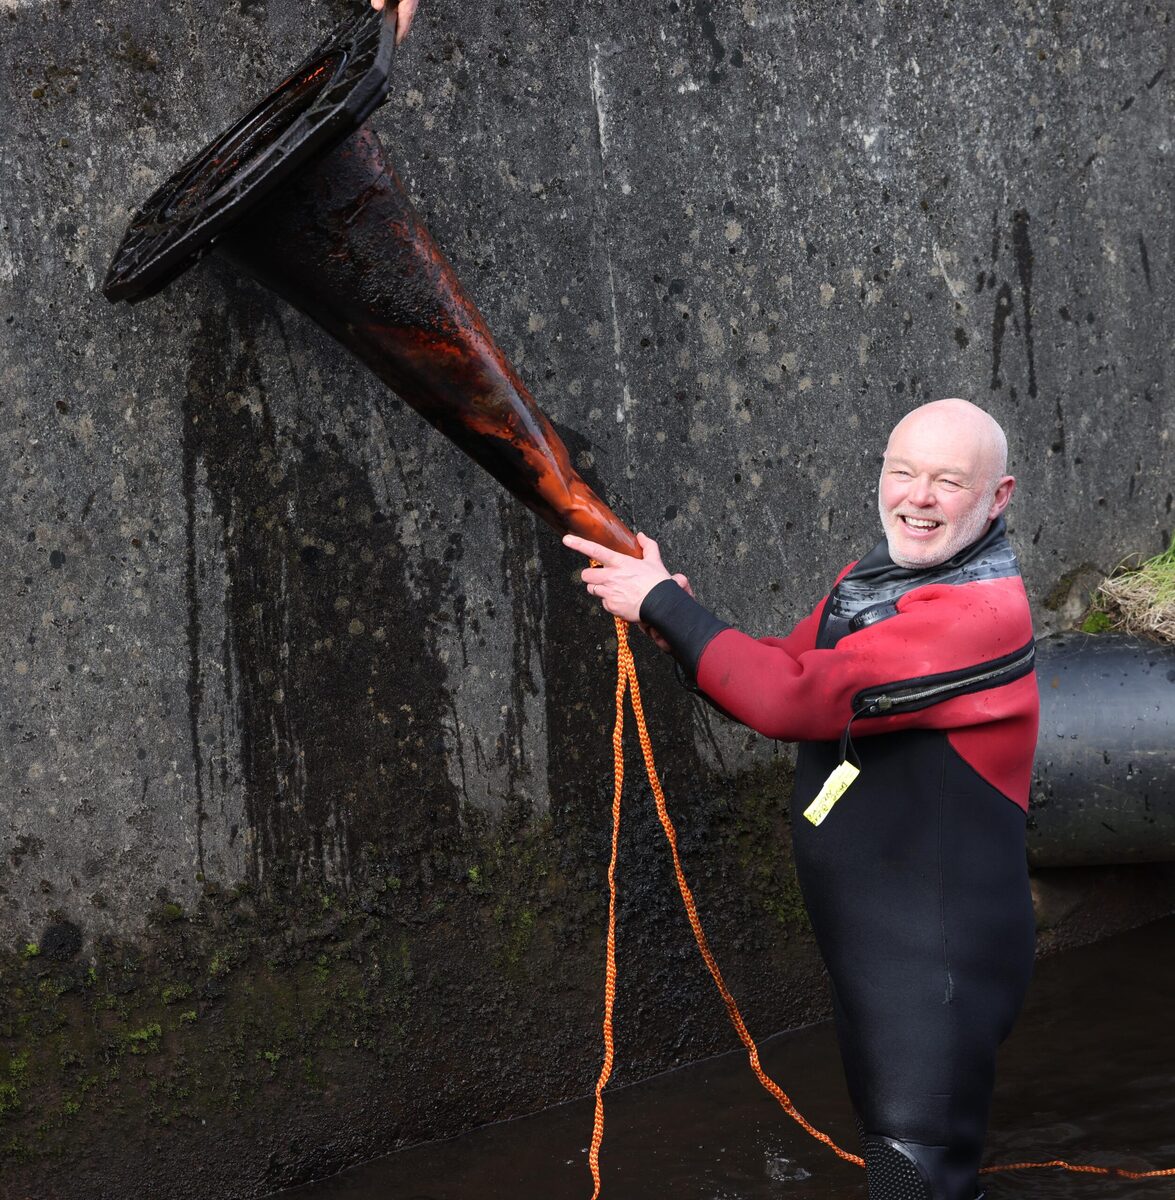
x=910, y=691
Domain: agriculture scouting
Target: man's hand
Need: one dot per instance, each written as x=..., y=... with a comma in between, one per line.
x=405, y=11
x=622, y=582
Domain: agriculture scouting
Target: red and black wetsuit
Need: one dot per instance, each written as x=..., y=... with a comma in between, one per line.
x=916, y=882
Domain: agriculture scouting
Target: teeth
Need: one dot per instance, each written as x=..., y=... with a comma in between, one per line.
x=920, y=524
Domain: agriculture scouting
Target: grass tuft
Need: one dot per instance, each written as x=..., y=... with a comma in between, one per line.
x=1142, y=599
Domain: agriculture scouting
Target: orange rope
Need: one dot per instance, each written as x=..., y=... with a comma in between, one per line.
x=1117, y=1172
x=687, y=896
x=626, y=680
x=622, y=678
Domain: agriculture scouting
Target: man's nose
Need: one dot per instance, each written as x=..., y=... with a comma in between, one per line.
x=921, y=491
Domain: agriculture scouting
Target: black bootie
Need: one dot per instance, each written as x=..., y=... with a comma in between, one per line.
x=900, y=1170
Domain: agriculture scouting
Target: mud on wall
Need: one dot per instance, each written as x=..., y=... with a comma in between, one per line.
x=305, y=725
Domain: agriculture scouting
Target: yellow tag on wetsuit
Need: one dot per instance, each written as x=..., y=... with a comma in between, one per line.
x=834, y=788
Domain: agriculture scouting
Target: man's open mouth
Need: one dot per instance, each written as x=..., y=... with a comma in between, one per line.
x=919, y=523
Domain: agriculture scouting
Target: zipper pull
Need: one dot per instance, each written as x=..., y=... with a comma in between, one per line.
x=883, y=703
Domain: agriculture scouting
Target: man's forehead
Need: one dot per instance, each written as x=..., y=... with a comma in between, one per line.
x=937, y=449
x=947, y=466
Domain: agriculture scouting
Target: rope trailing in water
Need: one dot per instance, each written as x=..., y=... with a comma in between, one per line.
x=626, y=682
x=1116, y=1172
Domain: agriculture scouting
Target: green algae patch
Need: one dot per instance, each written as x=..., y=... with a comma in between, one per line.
x=1096, y=621
x=13, y=1082
x=143, y=1041
x=172, y=993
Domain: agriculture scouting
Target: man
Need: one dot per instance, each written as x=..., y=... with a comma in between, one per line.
x=916, y=669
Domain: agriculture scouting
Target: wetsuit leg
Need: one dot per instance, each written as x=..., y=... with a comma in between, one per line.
x=920, y=904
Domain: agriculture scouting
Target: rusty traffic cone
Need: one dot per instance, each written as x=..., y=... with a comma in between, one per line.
x=301, y=196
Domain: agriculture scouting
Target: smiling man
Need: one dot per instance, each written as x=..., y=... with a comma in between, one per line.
x=910, y=691
x=942, y=482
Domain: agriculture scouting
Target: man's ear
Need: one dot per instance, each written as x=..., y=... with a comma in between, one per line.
x=1003, y=493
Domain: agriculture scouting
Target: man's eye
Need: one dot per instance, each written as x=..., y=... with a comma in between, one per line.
x=904, y=474
x=954, y=483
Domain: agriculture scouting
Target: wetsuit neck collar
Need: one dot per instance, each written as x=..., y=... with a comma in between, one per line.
x=870, y=591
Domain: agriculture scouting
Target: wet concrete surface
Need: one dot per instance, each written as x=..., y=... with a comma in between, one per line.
x=304, y=714
x=1088, y=1075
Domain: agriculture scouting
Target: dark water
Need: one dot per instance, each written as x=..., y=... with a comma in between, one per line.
x=1088, y=1076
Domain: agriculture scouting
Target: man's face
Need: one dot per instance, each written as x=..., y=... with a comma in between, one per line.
x=937, y=493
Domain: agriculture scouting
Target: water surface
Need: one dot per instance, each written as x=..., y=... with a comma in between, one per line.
x=1088, y=1075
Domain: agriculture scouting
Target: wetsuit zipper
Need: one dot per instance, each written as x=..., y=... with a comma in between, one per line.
x=921, y=693
x=873, y=703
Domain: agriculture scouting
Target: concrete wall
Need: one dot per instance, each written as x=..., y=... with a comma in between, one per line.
x=306, y=766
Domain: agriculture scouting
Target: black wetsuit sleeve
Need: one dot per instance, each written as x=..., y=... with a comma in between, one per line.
x=682, y=622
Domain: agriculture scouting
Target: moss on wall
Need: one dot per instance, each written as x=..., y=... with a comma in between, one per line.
x=358, y=1014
